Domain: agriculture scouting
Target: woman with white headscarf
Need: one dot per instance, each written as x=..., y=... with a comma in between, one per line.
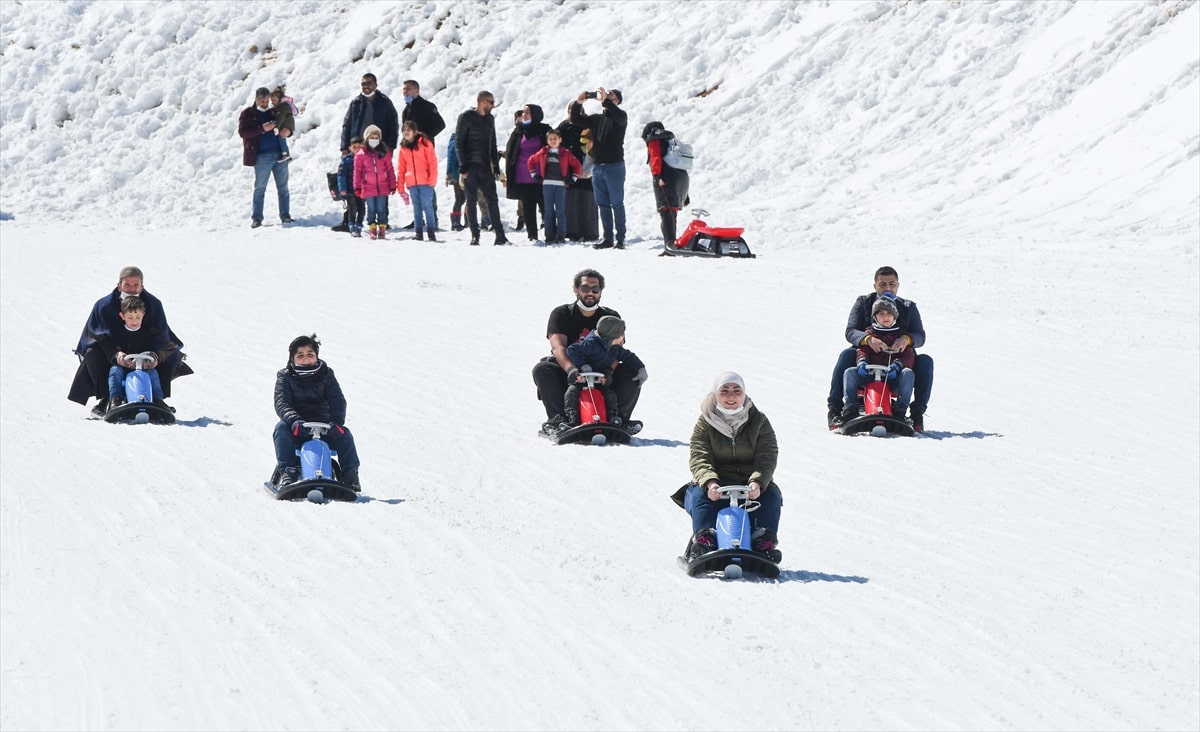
x=733, y=443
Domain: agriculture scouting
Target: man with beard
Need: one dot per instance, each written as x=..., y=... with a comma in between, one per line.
x=569, y=324
x=371, y=107
x=96, y=345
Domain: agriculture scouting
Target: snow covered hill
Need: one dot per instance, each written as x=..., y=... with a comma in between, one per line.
x=1031, y=169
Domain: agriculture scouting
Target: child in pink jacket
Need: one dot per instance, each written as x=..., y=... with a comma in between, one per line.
x=375, y=179
x=416, y=170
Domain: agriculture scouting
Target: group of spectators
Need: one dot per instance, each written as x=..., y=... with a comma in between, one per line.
x=579, y=174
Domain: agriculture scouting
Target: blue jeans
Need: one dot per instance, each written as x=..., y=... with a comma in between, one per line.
x=116, y=382
x=286, y=445
x=377, y=210
x=922, y=381
x=264, y=167
x=704, y=511
x=608, y=183
x=554, y=200
x=901, y=386
x=422, y=203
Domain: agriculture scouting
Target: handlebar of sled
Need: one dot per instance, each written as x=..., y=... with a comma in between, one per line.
x=736, y=493
x=317, y=429
x=140, y=360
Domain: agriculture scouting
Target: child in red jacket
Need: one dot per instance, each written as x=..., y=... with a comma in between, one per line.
x=555, y=168
x=416, y=173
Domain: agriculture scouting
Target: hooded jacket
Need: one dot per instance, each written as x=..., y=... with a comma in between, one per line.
x=314, y=397
x=512, y=151
x=416, y=165
x=373, y=173
x=750, y=453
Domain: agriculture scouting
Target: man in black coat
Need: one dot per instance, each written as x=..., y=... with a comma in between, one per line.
x=91, y=378
x=424, y=114
x=479, y=161
x=608, y=152
x=371, y=107
x=887, y=284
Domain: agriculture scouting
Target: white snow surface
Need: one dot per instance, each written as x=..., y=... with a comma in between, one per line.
x=1031, y=169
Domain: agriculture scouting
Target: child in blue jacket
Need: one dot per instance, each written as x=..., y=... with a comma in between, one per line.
x=355, y=206
x=600, y=351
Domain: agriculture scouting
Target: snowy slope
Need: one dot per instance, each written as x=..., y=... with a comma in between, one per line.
x=1032, y=170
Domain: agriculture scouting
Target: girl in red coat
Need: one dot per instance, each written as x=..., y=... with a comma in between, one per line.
x=375, y=179
x=416, y=172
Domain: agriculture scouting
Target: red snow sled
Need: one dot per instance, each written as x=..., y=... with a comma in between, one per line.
x=701, y=240
x=594, y=426
x=876, y=404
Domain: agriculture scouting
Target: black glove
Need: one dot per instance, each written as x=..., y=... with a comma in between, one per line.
x=572, y=375
x=297, y=426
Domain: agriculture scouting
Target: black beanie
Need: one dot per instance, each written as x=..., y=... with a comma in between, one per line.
x=610, y=327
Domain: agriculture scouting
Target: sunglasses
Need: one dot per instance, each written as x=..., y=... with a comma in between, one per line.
x=588, y=289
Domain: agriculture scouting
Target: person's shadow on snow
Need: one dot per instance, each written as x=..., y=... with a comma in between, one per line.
x=203, y=422
x=976, y=435
x=799, y=575
x=638, y=442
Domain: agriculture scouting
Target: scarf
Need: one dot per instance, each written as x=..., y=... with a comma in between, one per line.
x=726, y=424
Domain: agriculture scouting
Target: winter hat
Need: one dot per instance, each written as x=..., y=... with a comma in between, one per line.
x=372, y=130
x=617, y=94
x=729, y=377
x=885, y=303
x=300, y=341
x=651, y=129
x=610, y=327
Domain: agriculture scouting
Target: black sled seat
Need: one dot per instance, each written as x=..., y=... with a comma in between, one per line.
x=584, y=434
x=751, y=562
x=868, y=422
x=128, y=414
x=703, y=246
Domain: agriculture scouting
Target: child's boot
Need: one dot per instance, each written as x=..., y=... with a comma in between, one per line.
x=382, y=231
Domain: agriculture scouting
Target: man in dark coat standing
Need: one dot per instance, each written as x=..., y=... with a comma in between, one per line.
x=91, y=378
x=371, y=107
x=608, y=150
x=424, y=114
x=479, y=161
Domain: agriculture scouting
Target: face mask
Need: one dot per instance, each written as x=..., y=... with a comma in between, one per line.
x=585, y=308
x=526, y=121
x=729, y=412
x=373, y=142
x=408, y=99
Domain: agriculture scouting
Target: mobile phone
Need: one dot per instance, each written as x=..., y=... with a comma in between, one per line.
x=591, y=95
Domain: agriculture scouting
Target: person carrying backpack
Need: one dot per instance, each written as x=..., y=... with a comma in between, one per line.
x=670, y=183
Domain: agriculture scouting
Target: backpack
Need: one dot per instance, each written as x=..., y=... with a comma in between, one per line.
x=679, y=154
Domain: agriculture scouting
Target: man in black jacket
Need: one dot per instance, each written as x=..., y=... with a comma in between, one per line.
x=424, y=114
x=887, y=284
x=479, y=161
x=608, y=152
x=371, y=107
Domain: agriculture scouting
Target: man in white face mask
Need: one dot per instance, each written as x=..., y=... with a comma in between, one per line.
x=371, y=107
x=569, y=324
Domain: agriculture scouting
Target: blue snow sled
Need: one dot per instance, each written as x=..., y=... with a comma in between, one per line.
x=320, y=474
x=140, y=407
x=733, y=556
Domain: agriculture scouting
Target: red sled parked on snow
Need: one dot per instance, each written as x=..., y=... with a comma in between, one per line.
x=701, y=240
